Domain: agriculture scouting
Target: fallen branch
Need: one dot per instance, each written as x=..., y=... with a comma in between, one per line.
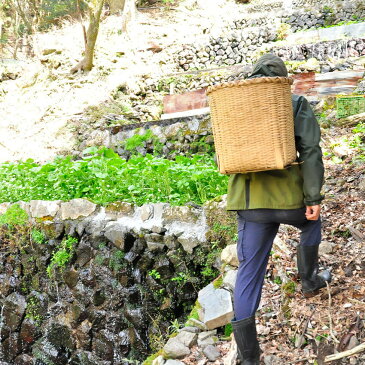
x=340, y=355
x=299, y=342
x=329, y=314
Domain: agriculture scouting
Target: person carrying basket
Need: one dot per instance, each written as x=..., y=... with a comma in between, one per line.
x=263, y=200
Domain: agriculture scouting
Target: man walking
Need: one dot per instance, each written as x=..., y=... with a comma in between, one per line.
x=264, y=200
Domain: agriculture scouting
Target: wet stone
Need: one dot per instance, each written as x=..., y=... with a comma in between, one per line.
x=13, y=311
x=83, y=253
x=103, y=345
x=82, y=335
x=77, y=313
x=29, y=332
x=11, y=347
x=81, y=357
x=60, y=336
x=163, y=267
x=99, y=297
x=130, y=256
x=135, y=316
x=46, y=353
x=71, y=278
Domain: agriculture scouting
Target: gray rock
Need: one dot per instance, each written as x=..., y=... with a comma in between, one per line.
x=207, y=338
x=216, y=306
x=229, y=255
x=187, y=338
x=175, y=349
x=41, y=208
x=181, y=214
x=146, y=212
x=190, y=329
x=325, y=247
x=155, y=246
x=188, y=243
x=159, y=361
x=173, y=362
x=77, y=208
x=229, y=279
x=196, y=323
x=116, y=233
x=211, y=352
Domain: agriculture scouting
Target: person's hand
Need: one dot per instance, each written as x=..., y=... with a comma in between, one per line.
x=312, y=212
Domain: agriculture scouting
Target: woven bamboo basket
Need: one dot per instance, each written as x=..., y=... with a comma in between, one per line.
x=253, y=124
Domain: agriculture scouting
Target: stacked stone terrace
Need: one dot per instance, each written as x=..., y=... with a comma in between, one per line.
x=251, y=34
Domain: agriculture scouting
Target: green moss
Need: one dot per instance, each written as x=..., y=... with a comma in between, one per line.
x=285, y=308
x=289, y=287
x=194, y=312
x=218, y=282
x=154, y=356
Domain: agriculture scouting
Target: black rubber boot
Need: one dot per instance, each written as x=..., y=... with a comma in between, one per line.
x=312, y=280
x=246, y=338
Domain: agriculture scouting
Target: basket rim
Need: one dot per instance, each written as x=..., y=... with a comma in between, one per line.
x=256, y=80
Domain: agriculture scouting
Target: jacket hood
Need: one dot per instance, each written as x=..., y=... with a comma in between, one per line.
x=269, y=65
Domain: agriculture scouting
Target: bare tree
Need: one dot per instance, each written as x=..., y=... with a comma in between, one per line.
x=95, y=8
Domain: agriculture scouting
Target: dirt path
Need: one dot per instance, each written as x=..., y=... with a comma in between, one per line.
x=37, y=108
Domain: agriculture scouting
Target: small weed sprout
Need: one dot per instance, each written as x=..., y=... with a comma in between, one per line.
x=154, y=274
x=62, y=256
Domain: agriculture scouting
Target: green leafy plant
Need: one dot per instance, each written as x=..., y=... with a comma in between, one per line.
x=14, y=215
x=174, y=327
x=283, y=31
x=62, y=256
x=277, y=280
x=154, y=274
x=38, y=236
x=116, y=262
x=228, y=329
x=358, y=141
x=33, y=310
x=102, y=177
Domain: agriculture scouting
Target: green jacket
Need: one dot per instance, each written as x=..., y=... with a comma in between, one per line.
x=290, y=188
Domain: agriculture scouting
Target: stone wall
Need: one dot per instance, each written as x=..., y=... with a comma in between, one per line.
x=245, y=36
x=340, y=49
x=131, y=271
x=172, y=137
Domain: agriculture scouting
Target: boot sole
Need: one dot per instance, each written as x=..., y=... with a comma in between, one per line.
x=311, y=294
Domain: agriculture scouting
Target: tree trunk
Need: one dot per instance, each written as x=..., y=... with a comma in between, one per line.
x=86, y=64
x=128, y=16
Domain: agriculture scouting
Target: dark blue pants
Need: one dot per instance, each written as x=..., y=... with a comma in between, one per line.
x=257, y=229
